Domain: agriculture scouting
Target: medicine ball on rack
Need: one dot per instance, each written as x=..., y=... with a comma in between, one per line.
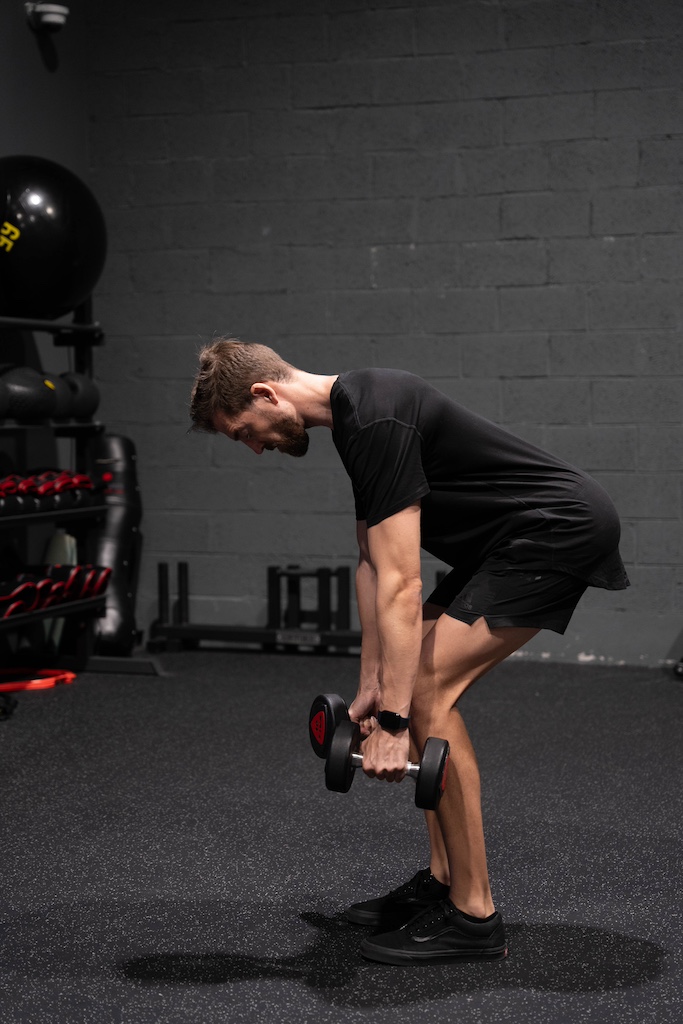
x=30, y=395
x=53, y=239
x=63, y=399
x=85, y=395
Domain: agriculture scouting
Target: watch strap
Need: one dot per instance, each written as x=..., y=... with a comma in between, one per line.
x=391, y=721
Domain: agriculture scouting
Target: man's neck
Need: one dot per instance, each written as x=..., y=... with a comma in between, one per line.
x=310, y=393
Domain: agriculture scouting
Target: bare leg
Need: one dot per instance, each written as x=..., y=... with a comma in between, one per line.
x=455, y=655
x=438, y=861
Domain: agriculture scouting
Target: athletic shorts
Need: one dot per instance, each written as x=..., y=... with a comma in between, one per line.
x=534, y=598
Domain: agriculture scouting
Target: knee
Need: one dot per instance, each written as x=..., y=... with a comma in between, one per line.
x=437, y=694
x=425, y=715
x=433, y=710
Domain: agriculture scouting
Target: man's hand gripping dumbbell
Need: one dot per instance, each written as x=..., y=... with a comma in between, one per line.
x=336, y=738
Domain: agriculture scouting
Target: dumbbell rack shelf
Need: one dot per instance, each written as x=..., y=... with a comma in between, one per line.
x=78, y=613
x=89, y=607
x=80, y=432
x=81, y=335
x=68, y=515
x=60, y=428
x=92, y=331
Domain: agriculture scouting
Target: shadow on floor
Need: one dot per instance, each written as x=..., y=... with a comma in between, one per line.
x=193, y=944
x=543, y=957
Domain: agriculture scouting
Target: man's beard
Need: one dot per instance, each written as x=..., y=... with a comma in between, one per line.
x=294, y=441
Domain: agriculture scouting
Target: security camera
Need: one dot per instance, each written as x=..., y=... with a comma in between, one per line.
x=46, y=17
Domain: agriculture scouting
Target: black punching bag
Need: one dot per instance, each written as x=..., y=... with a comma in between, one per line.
x=119, y=543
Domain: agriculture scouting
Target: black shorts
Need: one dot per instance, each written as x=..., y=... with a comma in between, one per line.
x=535, y=598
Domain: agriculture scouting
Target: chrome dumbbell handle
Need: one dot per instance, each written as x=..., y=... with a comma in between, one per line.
x=344, y=757
x=411, y=769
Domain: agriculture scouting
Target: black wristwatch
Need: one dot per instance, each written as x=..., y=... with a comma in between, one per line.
x=392, y=722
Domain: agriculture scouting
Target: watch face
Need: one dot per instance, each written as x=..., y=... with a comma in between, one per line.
x=391, y=720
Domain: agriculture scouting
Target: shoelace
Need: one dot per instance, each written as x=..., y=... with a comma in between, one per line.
x=426, y=920
x=412, y=887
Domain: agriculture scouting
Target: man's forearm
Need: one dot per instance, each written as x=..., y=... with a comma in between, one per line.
x=399, y=628
x=371, y=651
x=390, y=605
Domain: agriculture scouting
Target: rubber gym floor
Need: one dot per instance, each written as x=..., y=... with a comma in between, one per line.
x=170, y=854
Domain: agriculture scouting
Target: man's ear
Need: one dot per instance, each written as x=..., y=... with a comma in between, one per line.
x=263, y=390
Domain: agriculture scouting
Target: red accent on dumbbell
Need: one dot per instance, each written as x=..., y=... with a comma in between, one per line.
x=445, y=774
x=318, y=726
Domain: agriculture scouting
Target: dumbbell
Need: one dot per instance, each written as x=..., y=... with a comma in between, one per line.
x=329, y=719
x=327, y=711
x=429, y=775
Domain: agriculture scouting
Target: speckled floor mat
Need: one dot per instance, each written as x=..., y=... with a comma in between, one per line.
x=170, y=854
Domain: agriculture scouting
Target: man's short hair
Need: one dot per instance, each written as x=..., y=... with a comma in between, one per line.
x=227, y=369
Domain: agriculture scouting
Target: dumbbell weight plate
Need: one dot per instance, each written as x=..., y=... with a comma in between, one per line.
x=327, y=711
x=339, y=767
x=431, y=780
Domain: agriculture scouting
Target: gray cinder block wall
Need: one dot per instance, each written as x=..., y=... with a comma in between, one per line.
x=43, y=89
x=486, y=193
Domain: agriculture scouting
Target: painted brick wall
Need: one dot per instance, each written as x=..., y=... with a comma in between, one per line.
x=486, y=193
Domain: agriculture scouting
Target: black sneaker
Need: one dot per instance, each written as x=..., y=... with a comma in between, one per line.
x=400, y=905
x=438, y=934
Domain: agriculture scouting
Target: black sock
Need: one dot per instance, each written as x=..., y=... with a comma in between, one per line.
x=474, y=920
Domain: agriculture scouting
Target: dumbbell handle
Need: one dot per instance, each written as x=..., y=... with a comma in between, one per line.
x=411, y=769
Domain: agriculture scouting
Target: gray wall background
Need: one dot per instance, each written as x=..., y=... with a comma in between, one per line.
x=485, y=193
x=43, y=92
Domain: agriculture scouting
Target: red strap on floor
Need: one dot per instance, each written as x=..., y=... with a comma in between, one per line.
x=33, y=679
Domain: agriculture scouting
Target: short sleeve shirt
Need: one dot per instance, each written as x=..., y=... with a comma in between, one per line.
x=485, y=493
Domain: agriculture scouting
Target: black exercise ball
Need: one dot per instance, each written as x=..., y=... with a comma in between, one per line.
x=53, y=239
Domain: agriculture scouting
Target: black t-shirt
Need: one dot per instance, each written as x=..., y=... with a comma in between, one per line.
x=485, y=494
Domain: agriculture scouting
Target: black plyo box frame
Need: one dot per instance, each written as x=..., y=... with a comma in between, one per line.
x=289, y=625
